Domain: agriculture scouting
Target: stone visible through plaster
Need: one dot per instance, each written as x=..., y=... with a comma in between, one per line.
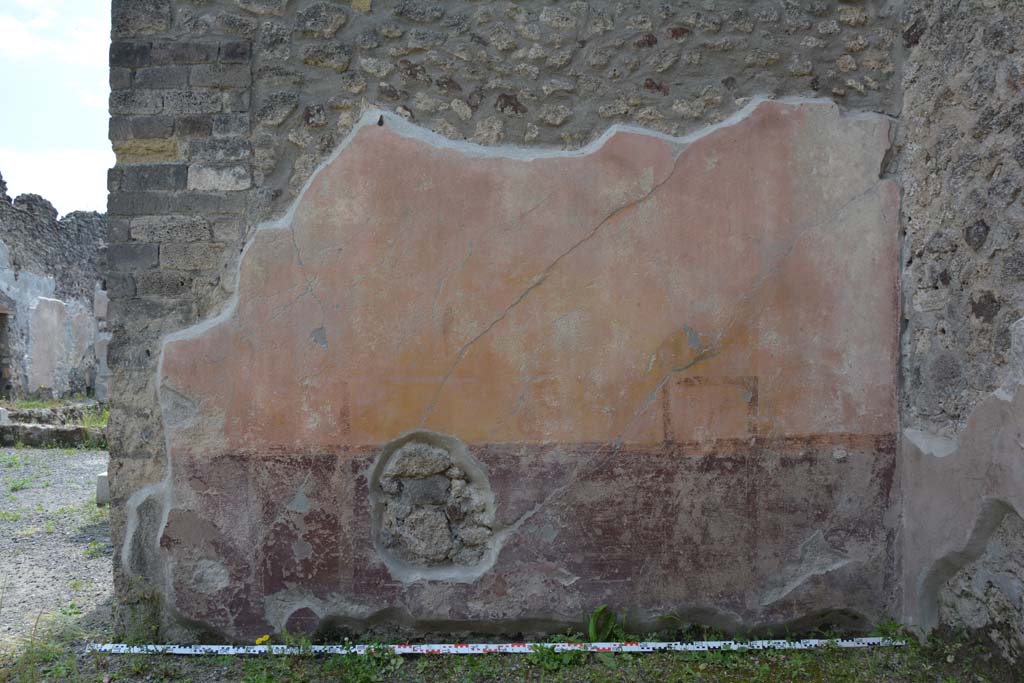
x=433, y=508
x=987, y=594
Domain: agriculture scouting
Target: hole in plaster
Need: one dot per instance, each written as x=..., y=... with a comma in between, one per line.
x=433, y=509
x=991, y=515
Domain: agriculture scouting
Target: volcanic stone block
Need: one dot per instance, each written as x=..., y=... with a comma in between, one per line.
x=653, y=359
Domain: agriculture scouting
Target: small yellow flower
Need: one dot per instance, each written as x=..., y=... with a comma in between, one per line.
x=263, y=640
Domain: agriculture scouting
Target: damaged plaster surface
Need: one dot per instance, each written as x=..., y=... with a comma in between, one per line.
x=664, y=357
x=987, y=595
x=433, y=509
x=963, y=499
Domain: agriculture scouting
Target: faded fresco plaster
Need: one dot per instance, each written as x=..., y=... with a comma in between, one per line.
x=662, y=357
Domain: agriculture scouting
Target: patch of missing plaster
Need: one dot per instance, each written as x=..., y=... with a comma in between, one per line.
x=319, y=337
x=300, y=503
x=988, y=593
x=301, y=550
x=647, y=180
x=210, y=576
x=693, y=338
x=433, y=509
x=993, y=512
x=140, y=552
x=178, y=410
x=817, y=557
x=931, y=444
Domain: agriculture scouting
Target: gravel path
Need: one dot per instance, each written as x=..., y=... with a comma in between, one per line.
x=55, y=555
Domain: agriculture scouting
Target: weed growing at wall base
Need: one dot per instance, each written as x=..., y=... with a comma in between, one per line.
x=96, y=417
x=378, y=665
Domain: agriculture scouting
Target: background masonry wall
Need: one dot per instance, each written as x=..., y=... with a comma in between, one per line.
x=53, y=337
x=221, y=110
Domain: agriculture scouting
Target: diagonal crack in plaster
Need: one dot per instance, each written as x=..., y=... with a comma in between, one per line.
x=714, y=348
x=472, y=248
x=537, y=281
x=706, y=353
x=310, y=280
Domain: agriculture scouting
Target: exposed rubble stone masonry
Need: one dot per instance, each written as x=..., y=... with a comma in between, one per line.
x=963, y=346
x=431, y=514
x=479, y=315
x=52, y=306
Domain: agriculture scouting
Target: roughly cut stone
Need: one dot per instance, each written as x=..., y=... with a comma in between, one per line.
x=429, y=491
x=263, y=6
x=469, y=555
x=337, y=57
x=419, y=10
x=321, y=20
x=426, y=534
x=276, y=108
x=475, y=535
x=380, y=68
x=418, y=460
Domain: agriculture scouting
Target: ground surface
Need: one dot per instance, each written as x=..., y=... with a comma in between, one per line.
x=55, y=562
x=54, y=541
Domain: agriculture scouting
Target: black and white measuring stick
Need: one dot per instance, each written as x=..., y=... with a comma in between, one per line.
x=495, y=648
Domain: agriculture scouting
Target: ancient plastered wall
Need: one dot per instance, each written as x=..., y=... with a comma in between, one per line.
x=963, y=285
x=472, y=363
x=222, y=110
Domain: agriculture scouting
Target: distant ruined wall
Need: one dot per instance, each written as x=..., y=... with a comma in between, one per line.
x=50, y=272
x=221, y=112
